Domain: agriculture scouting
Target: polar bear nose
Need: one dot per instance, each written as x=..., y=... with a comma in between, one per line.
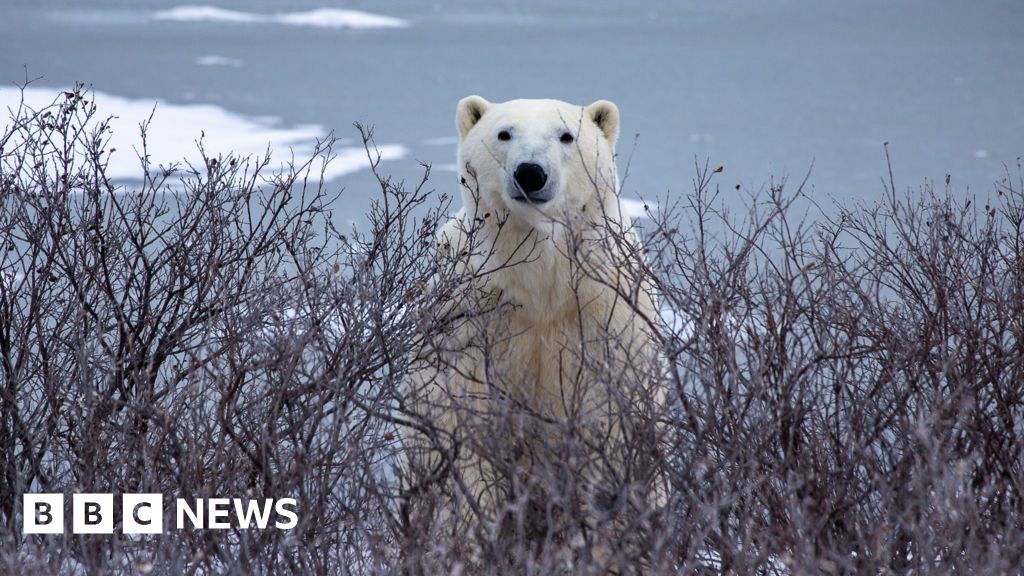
x=530, y=177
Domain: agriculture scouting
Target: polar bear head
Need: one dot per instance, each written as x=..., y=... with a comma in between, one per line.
x=536, y=159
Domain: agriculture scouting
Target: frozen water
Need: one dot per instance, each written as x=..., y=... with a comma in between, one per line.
x=763, y=89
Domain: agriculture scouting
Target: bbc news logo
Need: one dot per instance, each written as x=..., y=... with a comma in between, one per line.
x=144, y=513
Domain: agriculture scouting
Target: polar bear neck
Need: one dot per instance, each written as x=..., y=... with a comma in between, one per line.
x=541, y=270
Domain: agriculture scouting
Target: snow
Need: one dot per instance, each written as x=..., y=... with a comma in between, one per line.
x=334, y=18
x=635, y=208
x=205, y=13
x=214, y=60
x=175, y=129
x=318, y=18
x=354, y=159
x=677, y=323
x=9, y=280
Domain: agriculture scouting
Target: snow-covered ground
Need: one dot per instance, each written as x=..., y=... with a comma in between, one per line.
x=175, y=130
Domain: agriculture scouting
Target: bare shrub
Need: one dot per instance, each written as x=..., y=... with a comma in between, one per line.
x=207, y=334
x=850, y=390
x=836, y=391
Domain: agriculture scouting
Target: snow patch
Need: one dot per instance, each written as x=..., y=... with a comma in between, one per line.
x=677, y=323
x=213, y=60
x=318, y=18
x=205, y=14
x=8, y=280
x=354, y=159
x=175, y=129
x=334, y=18
x=635, y=208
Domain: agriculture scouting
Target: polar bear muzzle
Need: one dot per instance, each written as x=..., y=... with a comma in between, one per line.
x=530, y=179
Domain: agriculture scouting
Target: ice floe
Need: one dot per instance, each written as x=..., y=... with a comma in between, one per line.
x=318, y=18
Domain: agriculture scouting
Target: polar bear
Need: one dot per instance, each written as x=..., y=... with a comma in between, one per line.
x=549, y=334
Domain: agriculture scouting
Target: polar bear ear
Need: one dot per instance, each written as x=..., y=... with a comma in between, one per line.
x=469, y=111
x=606, y=115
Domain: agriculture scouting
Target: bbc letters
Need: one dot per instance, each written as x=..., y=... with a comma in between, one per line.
x=95, y=513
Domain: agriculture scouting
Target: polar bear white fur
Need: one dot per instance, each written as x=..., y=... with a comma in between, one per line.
x=555, y=323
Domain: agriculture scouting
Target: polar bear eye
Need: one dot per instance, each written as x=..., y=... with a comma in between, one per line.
x=504, y=136
x=566, y=138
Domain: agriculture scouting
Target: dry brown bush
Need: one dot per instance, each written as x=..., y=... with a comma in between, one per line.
x=844, y=389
